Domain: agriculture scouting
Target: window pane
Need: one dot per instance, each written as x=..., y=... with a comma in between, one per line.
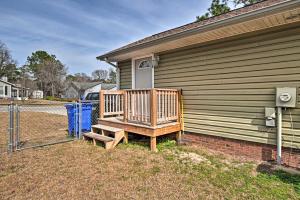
x=145, y=64
x=6, y=90
x=95, y=96
x=88, y=97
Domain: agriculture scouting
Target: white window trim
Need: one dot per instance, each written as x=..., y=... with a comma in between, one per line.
x=2, y=94
x=133, y=69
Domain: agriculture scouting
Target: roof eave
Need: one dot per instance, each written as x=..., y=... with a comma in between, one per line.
x=224, y=22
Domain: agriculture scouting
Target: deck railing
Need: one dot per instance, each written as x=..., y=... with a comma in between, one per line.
x=112, y=103
x=144, y=106
x=167, y=104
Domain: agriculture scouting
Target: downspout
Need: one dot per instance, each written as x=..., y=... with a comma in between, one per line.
x=279, y=134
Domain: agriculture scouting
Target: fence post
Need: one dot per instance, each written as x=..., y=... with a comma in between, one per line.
x=17, y=127
x=153, y=107
x=11, y=128
x=101, y=104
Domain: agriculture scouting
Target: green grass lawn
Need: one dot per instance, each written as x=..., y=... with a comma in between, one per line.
x=78, y=170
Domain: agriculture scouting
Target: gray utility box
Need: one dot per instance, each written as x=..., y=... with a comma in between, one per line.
x=270, y=115
x=286, y=97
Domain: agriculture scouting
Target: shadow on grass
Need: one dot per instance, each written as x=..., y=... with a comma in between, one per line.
x=278, y=174
x=163, y=142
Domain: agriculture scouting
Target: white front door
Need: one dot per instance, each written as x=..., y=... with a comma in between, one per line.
x=143, y=73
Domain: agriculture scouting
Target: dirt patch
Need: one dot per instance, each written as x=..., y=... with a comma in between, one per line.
x=192, y=157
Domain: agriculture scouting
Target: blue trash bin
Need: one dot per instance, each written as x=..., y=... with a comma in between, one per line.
x=71, y=108
x=73, y=118
x=86, y=118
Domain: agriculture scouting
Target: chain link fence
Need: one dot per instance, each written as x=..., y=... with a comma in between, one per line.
x=32, y=125
x=95, y=110
x=42, y=124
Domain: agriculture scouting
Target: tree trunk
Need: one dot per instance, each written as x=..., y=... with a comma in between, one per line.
x=52, y=89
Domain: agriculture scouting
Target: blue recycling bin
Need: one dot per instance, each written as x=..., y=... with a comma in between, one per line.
x=73, y=117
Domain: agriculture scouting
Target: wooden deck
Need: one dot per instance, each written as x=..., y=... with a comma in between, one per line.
x=149, y=112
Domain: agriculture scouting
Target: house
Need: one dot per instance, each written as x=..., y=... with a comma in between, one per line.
x=228, y=68
x=37, y=94
x=15, y=91
x=5, y=88
x=81, y=89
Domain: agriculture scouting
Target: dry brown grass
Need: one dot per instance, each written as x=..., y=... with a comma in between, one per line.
x=3, y=130
x=35, y=126
x=78, y=170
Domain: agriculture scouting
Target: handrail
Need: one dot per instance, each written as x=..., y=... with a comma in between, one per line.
x=111, y=103
x=146, y=106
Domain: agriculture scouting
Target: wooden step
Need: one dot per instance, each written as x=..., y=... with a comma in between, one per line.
x=106, y=131
x=107, y=128
x=98, y=137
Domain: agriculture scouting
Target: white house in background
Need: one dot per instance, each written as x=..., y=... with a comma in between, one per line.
x=5, y=88
x=81, y=89
x=97, y=88
x=37, y=94
x=9, y=90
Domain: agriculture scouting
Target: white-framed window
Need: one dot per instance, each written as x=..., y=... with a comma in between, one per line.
x=1, y=90
x=145, y=64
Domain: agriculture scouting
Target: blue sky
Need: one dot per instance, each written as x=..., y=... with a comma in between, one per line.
x=77, y=31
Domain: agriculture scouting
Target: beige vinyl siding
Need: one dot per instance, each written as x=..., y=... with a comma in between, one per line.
x=227, y=85
x=125, y=74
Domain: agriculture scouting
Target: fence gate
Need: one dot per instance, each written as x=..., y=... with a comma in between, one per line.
x=32, y=125
x=41, y=124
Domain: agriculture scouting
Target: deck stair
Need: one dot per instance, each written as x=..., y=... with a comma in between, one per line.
x=110, y=136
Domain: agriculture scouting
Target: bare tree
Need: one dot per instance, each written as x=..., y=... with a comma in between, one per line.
x=112, y=75
x=80, y=77
x=53, y=74
x=100, y=74
x=8, y=66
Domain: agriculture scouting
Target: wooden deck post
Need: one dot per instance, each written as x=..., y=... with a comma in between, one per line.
x=125, y=107
x=153, y=144
x=125, y=141
x=101, y=104
x=178, y=137
x=179, y=106
x=153, y=107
